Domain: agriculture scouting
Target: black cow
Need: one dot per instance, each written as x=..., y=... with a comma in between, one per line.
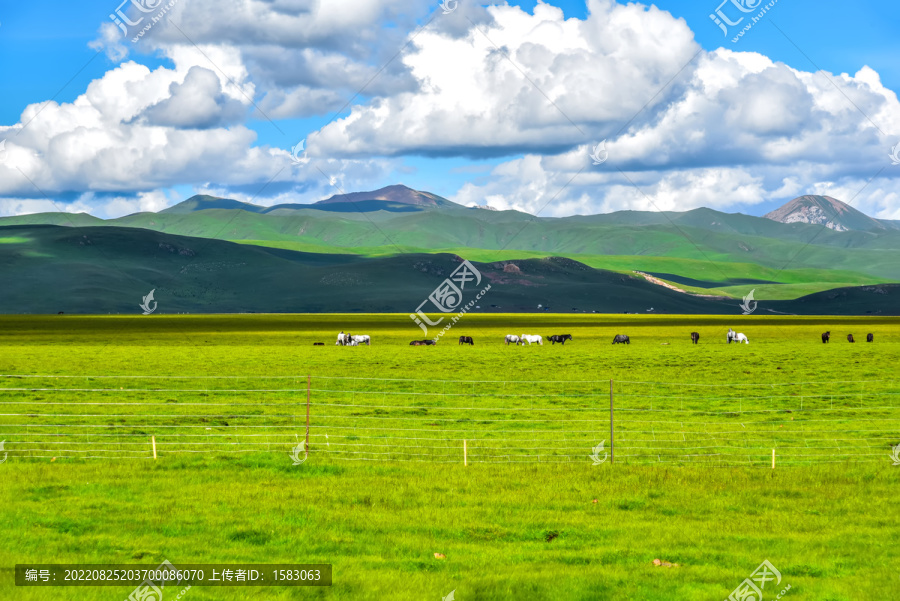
x=318, y=344
x=466, y=340
x=870, y=337
x=560, y=338
x=422, y=343
x=850, y=338
x=621, y=339
x=826, y=336
x=695, y=337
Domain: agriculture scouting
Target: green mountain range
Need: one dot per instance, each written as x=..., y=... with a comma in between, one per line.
x=811, y=245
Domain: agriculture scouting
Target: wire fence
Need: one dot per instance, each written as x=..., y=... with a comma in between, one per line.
x=368, y=419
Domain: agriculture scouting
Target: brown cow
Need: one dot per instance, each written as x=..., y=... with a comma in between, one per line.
x=850, y=338
x=695, y=337
x=826, y=336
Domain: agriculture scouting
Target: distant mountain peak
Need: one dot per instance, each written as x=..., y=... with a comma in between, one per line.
x=201, y=202
x=824, y=210
x=397, y=193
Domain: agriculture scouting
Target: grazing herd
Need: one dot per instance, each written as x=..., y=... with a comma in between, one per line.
x=352, y=340
x=731, y=336
x=826, y=336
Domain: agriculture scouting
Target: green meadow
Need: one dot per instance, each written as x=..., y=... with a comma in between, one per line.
x=773, y=283
x=691, y=484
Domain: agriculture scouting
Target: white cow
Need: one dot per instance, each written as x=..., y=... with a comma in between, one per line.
x=342, y=339
x=351, y=343
x=529, y=339
x=361, y=339
x=512, y=338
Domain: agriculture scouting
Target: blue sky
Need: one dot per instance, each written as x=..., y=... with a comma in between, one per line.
x=55, y=50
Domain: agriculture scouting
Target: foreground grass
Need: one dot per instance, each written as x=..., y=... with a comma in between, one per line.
x=831, y=530
x=507, y=533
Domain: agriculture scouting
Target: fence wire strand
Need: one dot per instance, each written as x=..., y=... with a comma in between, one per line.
x=449, y=421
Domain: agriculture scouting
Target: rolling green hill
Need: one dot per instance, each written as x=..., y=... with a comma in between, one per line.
x=699, y=235
x=48, y=269
x=780, y=261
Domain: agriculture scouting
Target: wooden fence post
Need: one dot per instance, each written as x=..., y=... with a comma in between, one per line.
x=153, y=442
x=308, y=383
x=611, y=429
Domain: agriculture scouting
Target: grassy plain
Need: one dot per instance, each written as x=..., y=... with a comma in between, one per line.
x=508, y=531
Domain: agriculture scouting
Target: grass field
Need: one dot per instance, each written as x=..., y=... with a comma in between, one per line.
x=517, y=530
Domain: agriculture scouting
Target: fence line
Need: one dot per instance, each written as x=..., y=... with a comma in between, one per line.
x=394, y=419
